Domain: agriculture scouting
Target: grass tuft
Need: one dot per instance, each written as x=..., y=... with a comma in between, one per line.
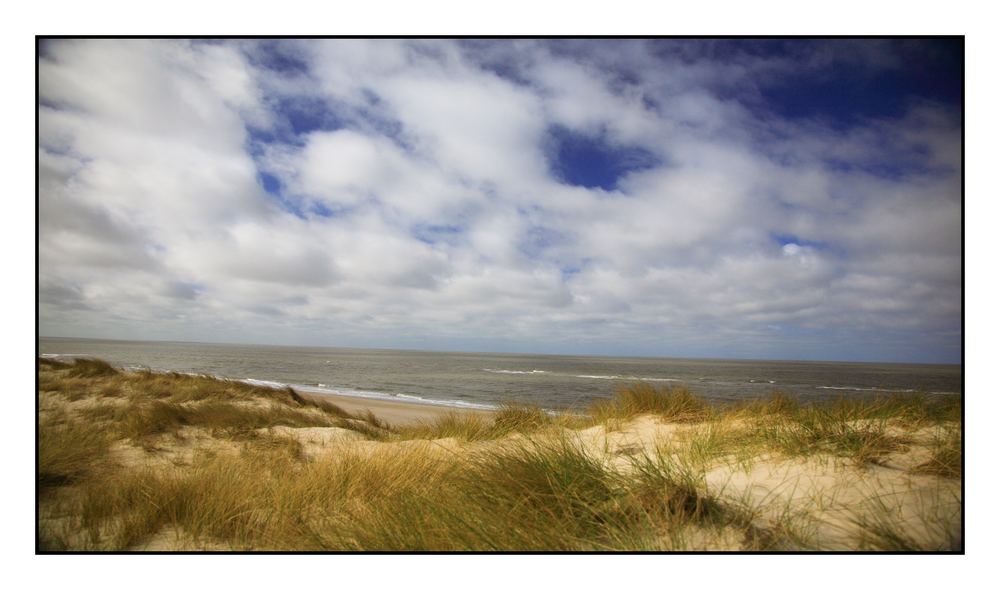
x=946, y=460
x=84, y=367
x=671, y=403
x=514, y=417
x=463, y=426
x=67, y=452
x=508, y=419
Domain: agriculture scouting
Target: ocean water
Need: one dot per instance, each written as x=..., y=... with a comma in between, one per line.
x=484, y=380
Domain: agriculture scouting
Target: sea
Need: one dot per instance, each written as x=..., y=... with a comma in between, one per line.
x=486, y=380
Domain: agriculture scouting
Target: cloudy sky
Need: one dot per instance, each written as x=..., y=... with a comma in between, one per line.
x=751, y=199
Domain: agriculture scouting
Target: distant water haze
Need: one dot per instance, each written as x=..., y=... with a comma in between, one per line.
x=484, y=380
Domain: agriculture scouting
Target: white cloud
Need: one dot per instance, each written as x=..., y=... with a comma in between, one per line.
x=420, y=205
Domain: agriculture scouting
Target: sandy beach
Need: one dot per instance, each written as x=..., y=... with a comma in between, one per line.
x=394, y=413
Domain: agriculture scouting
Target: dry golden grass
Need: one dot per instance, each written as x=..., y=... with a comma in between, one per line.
x=676, y=404
x=507, y=419
x=523, y=479
x=946, y=460
x=68, y=452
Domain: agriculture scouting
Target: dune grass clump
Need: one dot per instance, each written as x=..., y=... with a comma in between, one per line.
x=912, y=410
x=219, y=498
x=86, y=367
x=538, y=495
x=463, y=426
x=555, y=479
x=265, y=498
x=885, y=525
x=68, y=452
x=140, y=420
x=672, y=488
x=777, y=404
x=670, y=403
x=529, y=497
x=86, y=376
x=507, y=419
x=513, y=417
x=864, y=430
x=817, y=429
x=51, y=363
x=145, y=404
x=946, y=458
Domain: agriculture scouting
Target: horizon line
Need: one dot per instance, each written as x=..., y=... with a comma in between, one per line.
x=960, y=363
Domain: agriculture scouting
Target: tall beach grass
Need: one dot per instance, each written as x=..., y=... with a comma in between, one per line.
x=519, y=479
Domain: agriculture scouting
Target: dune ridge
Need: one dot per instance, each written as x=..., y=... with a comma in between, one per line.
x=139, y=461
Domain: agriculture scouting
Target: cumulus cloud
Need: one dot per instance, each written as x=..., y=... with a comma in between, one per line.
x=632, y=197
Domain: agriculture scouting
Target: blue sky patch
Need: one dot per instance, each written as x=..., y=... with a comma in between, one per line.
x=279, y=57
x=272, y=186
x=844, y=93
x=270, y=182
x=308, y=115
x=323, y=211
x=590, y=162
x=433, y=234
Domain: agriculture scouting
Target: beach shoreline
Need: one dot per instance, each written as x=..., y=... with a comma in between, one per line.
x=484, y=381
x=392, y=412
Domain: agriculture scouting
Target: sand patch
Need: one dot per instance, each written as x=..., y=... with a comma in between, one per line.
x=315, y=440
x=182, y=448
x=172, y=539
x=839, y=506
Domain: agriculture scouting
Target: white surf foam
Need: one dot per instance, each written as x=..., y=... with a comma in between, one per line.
x=847, y=388
x=625, y=377
x=265, y=383
x=322, y=388
x=399, y=397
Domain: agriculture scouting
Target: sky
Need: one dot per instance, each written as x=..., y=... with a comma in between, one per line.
x=787, y=199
